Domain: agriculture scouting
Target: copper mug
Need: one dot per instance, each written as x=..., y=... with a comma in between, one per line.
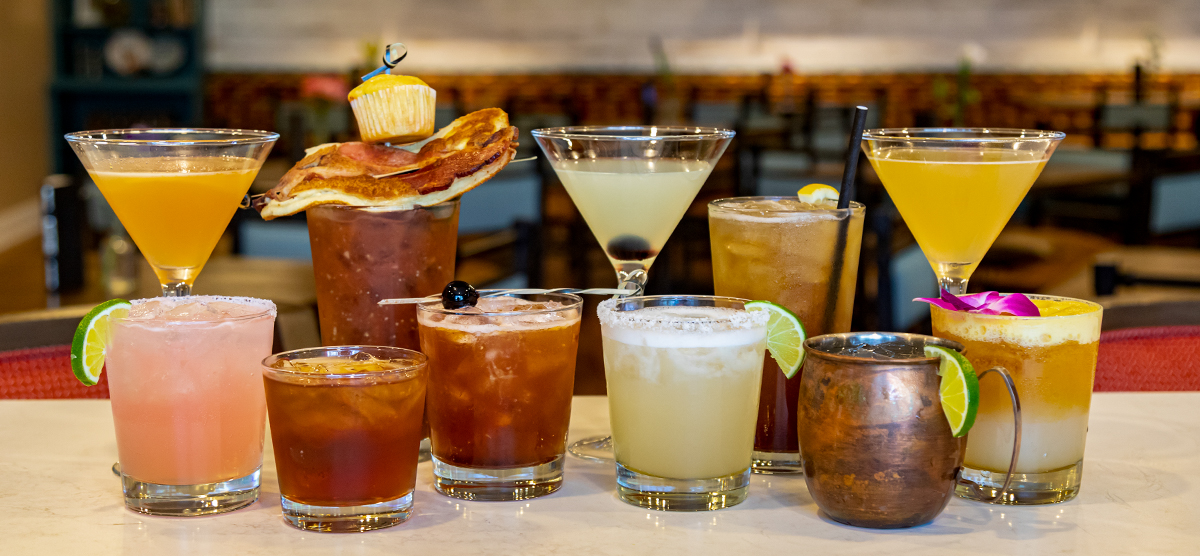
x=876, y=447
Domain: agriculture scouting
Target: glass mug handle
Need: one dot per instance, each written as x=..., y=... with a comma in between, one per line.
x=1016, y=451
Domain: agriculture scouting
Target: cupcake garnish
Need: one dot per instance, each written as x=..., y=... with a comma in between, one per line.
x=986, y=303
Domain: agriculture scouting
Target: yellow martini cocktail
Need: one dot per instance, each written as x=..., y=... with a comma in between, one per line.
x=957, y=188
x=173, y=190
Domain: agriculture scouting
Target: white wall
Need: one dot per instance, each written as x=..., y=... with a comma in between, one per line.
x=704, y=36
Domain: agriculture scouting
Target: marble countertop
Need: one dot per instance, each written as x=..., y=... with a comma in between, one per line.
x=1140, y=495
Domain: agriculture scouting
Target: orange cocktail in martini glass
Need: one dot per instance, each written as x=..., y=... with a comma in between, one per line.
x=174, y=190
x=956, y=188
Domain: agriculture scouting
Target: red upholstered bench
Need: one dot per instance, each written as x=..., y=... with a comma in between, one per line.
x=1149, y=359
x=44, y=373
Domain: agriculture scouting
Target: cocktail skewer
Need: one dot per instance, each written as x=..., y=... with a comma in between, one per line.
x=494, y=293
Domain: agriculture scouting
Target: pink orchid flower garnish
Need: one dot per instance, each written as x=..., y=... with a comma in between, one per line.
x=986, y=303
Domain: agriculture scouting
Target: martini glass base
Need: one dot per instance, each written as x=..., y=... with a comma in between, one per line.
x=597, y=449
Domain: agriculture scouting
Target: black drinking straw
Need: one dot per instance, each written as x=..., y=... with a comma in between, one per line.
x=846, y=195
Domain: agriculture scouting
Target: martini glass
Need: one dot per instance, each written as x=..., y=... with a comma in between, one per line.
x=174, y=190
x=956, y=188
x=632, y=184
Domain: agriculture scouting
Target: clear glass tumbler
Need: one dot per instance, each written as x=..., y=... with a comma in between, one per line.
x=187, y=401
x=683, y=374
x=502, y=375
x=346, y=428
x=1052, y=359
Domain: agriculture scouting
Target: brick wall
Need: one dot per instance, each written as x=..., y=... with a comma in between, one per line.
x=705, y=36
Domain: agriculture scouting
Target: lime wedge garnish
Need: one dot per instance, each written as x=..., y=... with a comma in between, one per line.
x=785, y=336
x=959, y=389
x=91, y=338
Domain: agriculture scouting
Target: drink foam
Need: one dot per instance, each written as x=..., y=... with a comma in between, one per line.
x=1055, y=329
x=501, y=313
x=198, y=308
x=682, y=326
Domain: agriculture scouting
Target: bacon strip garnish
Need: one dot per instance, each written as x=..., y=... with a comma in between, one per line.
x=454, y=160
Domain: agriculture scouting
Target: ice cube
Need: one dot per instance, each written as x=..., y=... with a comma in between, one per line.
x=191, y=312
x=147, y=310
x=885, y=351
x=363, y=356
x=225, y=309
x=502, y=304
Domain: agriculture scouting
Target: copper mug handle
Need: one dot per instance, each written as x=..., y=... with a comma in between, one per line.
x=1016, y=452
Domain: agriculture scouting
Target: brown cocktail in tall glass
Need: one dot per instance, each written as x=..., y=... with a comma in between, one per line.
x=362, y=255
x=346, y=427
x=499, y=397
x=783, y=250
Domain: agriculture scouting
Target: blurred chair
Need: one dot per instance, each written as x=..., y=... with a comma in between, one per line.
x=1155, y=314
x=35, y=356
x=1163, y=195
x=1150, y=346
x=1149, y=359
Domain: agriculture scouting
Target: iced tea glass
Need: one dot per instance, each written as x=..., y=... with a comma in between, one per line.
x=187, y=401
x=1052, y=359
x=683, y=375
x=346, y=428
x=501, y=378
x=786, y=251
x=362, y=255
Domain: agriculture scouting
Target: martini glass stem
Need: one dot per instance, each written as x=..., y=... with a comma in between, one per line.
x=176, y=289
x=177, y=281
x=953, y=277
x=954, y=284
x=599, y=448
x=635, y=278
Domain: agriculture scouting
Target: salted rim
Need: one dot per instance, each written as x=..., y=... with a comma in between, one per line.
x=421, y=359
x=737, y=319
x=267, y=305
